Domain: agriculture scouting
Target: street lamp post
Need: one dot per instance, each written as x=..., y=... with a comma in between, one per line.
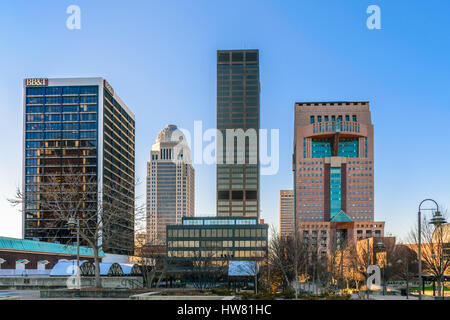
x=367, y=270
x=436, y=220
x=72, y=224
x=380, y=245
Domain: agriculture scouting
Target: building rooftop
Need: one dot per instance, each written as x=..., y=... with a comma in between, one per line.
x=13, y=244
x=214, y=220
x=312, y=103
x=341, y=216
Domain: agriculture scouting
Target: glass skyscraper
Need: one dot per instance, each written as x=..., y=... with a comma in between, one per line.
x=77, y=126
x=238, y=95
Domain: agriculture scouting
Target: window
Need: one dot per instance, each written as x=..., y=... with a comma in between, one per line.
x=35, y=91
x=88, y=90
x=312, y=119
x=321, y=148
x=70, y=90
x=250, y=195
x=251, y=56
x=237, y=56
x=224, y=57
x=223, y=195
x=335, y=191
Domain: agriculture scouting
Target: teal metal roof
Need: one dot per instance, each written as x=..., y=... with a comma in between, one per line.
x=341, y=216
x=41, y=246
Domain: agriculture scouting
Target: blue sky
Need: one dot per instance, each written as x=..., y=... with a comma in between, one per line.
x=160, y=58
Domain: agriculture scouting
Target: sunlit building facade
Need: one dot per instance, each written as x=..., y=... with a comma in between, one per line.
x=286, y=219
x=77, y=126
x=170, y=184
x=334, y=171
x=215, y=241
x=238, y=95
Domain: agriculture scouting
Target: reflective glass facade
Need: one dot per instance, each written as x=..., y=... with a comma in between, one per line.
x=321, y=148
x=118, y=169
x=238, y=108
x=348, y=147
x=61, y=137
x=60, y=133
x=335, y=191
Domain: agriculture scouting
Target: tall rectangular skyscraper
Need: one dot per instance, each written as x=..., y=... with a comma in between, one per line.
x=238, y=95
x=334, y=170
x=286, y=213
x=170, y=184
x=77, y=126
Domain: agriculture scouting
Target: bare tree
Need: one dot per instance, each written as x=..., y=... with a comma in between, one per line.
x=354, y=271
x=105, y=214
x=404, y=266
x=286, y=258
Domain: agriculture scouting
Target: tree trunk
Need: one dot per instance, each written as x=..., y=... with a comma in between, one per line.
x=439, y=287
x=407, y=288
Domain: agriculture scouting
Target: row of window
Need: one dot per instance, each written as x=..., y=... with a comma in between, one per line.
x=63, y=117
x=217, y=233
x=333, y=118
x=62, y=144
x=61, y=126
x=211, y=254
x=237, y=56
x=70, y=90
x=61, y=135
x=217, y=244
x=62, y=100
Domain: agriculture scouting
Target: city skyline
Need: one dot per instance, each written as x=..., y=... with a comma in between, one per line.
x=326, y=70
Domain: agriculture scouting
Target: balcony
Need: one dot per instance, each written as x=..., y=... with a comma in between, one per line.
x=335, y=126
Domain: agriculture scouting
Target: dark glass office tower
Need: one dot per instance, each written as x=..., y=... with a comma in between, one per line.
x=238, y=92
x=77, y=126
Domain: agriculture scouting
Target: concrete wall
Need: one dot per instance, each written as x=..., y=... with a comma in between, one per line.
x=26, y=272
x=23, y=283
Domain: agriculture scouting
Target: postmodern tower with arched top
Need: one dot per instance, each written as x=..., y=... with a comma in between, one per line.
x=170, y=184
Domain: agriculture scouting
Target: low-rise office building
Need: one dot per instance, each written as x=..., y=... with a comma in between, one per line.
x=215, y=241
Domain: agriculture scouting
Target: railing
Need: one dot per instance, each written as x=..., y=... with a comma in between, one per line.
x=335, y=126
